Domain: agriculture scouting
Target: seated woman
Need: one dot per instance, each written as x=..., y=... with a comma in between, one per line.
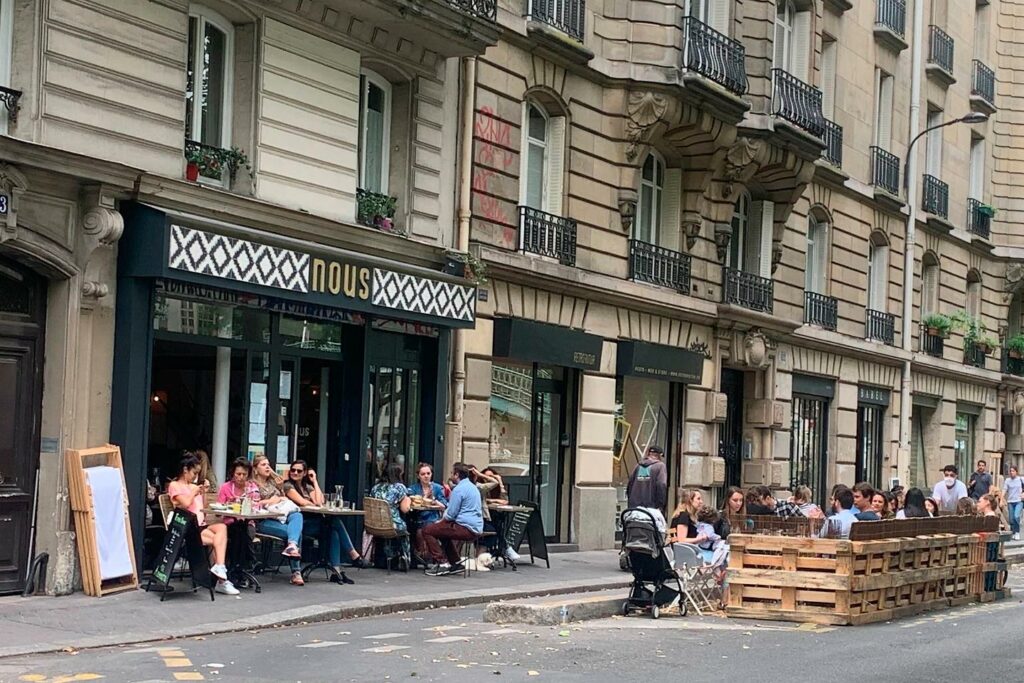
x=684, y=521
x=391, y=489
x=238, y=487
x=988, y=505
x=303, y=489
x=186, y=495
x=914, y=505
x=268, y=485
x=497, y=495
x=433, y=494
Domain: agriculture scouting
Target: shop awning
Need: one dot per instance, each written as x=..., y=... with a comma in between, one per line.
x=658, y=361
x=529, y=340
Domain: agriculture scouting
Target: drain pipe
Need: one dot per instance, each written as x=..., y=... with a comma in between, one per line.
x=454, y=430
x=910, y=243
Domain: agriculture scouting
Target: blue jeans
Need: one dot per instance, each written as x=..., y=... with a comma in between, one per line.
x=290, y=532
x=339, y=540
x=1013, y=512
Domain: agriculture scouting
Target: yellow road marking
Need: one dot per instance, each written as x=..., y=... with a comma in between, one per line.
x=188, y=676
x=68, y=678
x=167, y=652
x=177, y=662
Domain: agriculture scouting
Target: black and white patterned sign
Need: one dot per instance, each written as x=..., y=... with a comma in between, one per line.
x=412, y=294
x=206, y=253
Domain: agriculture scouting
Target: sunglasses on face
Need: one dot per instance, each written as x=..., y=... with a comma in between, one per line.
x=297, y=471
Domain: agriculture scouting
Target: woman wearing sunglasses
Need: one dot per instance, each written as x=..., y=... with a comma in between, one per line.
x=303, y=489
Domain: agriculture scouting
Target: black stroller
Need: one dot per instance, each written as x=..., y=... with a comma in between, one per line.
x=653, y=574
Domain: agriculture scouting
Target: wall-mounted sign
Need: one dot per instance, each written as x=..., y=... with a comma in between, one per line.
x=659, y=361
x=545, y=343
x=876, y=396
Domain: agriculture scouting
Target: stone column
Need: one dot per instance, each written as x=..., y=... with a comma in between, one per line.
x=593, y=500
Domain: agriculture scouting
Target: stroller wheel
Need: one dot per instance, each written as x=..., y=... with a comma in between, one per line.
x=683, y=609
x=625, y=609
x=655, y=612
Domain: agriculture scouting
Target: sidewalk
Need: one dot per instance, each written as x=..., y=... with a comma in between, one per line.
x=46, y=624
x=1014, y=552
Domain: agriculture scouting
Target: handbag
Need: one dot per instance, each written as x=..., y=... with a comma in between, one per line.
x=283, y=509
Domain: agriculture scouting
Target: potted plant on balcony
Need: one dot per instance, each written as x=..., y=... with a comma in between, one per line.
x=466, y=265
x=987, y=210
x=937, y=325
x=975, y=333
x=376, y=210
x=1015, y=346
x=193, y=158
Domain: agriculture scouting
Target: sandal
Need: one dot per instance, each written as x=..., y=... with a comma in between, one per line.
x=297, y=579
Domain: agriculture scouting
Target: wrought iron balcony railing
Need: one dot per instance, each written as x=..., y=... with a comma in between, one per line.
x=940, y=49
x=485, y=9
x=983, y=82
x=979, y=221
x=715, y=56
x=659, y=266
x=880, y=326
x=974, y=356
x=10, y=99
x=565, y=15
x=932, y=344
x=797, y=102
x=748, y=290
x=1012, y=365
x=892, y=14
x=548, y=235
x=820, y=310
x=833, y=152
x=885, y=170
x=935, y=198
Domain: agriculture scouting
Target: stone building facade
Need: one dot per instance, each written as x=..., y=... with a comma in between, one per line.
x=664, y=180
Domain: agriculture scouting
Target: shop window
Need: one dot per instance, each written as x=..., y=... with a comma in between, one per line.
x=540, y=184
x=878, y=273
x=210, y=319
x=374, y=131
x=208, y=78
x=817, y=255
x=870, y=444
x=750, y=248
x=963, y=446
x=929, y=284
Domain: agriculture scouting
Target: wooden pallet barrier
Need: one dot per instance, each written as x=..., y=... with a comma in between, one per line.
x=829, y=581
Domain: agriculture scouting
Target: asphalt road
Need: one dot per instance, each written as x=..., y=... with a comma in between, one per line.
x=973, y=643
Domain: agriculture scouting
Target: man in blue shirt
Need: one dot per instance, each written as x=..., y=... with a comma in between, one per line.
x=839, y=524
x=463, y=520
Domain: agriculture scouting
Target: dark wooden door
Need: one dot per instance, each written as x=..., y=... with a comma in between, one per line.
x=22, y=300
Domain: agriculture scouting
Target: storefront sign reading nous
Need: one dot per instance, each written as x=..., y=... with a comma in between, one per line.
x=332, y=277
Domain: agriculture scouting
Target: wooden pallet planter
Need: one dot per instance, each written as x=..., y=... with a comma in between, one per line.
x=850, y=582
x=989, y=581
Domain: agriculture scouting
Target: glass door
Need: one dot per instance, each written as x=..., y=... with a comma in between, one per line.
x=548, y=408
x=393, y=421
x=809, y=446
x=870, y=420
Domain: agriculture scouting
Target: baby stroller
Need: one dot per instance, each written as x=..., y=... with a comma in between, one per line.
x=653, y=574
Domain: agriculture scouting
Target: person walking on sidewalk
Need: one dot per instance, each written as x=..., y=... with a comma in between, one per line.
x=980, y=481
x=463, y=520
x=648, y=484
x=1012, y=488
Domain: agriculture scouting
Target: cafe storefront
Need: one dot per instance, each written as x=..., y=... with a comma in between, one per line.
x=244, y=344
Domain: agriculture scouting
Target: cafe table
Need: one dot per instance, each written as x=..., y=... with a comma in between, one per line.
x=238, y=568
x=501, y=517
x=325, y=537
x=413, y=522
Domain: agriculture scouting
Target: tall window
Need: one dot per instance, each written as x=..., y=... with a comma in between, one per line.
x=714, y=13
x=374, y=128
x=751, y=243
x=878, y=273
x=929, y=284
x=817, y=255
x=785, y=19
x=534, y=185
x=6, y=31
x=648, y=212
x=829, y=55
x=977, y=181
x=740, y=218
x=933, y=151
x=883, y=109
x=973, y=293
x=208, y=78
x=963, y=446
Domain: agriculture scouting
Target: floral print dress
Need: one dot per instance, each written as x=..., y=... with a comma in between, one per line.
x=393, y=494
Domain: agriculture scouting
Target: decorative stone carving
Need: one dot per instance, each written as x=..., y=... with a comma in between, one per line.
x=776, y=254
x=94, y=290
x=723, y=233
x=104, y=224
x=691, y=228
x=755, y=348
x=1018, y=403
x=644, y=109
x=737, y=163
x=1014, y=279
x=13, y=184
x=627, y=209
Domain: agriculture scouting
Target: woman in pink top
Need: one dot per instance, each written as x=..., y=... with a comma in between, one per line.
x=239, y=486
x=188, y=496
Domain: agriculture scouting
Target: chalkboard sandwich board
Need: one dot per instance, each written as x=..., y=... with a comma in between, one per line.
x=182, y=537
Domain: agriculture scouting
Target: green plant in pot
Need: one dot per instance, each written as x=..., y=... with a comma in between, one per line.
x=465, y=264
x=937, y=325
x=975, y=332
x=376, y=210
x=1015, y=346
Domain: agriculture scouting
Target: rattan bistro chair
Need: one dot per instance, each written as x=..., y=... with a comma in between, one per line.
x=378, y=524
x=166, y=507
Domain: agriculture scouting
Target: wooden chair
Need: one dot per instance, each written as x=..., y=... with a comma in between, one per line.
x=378, y=524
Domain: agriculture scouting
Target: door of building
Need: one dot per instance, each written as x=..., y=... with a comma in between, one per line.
x=808, y=462
x=22, y=314
x=730, y=439
x=870, y=419
x=308, y=421
x=548, y=447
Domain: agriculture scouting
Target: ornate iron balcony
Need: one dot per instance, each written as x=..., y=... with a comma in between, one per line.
x=880, y=326
x=892, y=14
x=983, y=82
x=10, y=97
x=565, y=15
x=659, y=266
x=485, y=9
x=885, y=170
x=974, y=356
x=833, y=152
x=935, y=198
x=715, y=56
x=820, y=310
x=1011, y=365
x=797, y=102
x=547, y=235
x=979, y=221
x=932, y=344
x=748, y=290
x=940, y=49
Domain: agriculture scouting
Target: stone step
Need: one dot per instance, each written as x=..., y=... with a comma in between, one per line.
x=557, y=610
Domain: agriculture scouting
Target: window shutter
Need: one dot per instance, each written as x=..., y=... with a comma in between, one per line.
x=801, y=46
x=977, y=188
x=928, y=290
x=752, y=240
x=555, y=165
x=671, y=200
x=878, y=268
x=767, y=230
x=933, y=152
x=719, y=19
x=883, y=117
x=828, y=78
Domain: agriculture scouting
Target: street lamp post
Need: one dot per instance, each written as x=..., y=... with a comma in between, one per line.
x=909, y=253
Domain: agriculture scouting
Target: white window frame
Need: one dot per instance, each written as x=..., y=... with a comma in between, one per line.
x=368, y=77
x=740, y=218
x=930, y=299
x=933, y=146
x=976, y=184
x=973, y=295
x=829, y=59
x=878, y=275
x=816, y=260
x=524, y=162
x=883, y=109
x=785, y=20
x=205, y=15
x=657, y=191
x=6, y=40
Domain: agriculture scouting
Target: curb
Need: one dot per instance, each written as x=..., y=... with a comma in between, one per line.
x=581, y=607
x=1014, y=559
x=310, y=615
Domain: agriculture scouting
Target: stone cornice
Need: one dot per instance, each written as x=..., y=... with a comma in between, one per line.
x=53, y=159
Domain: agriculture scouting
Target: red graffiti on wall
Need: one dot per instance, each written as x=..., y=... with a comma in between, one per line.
x=493, y=156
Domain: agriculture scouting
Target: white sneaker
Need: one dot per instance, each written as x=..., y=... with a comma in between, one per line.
x=512, y=555
x=1016, y=537
x=227, y=588
x=220, y=571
